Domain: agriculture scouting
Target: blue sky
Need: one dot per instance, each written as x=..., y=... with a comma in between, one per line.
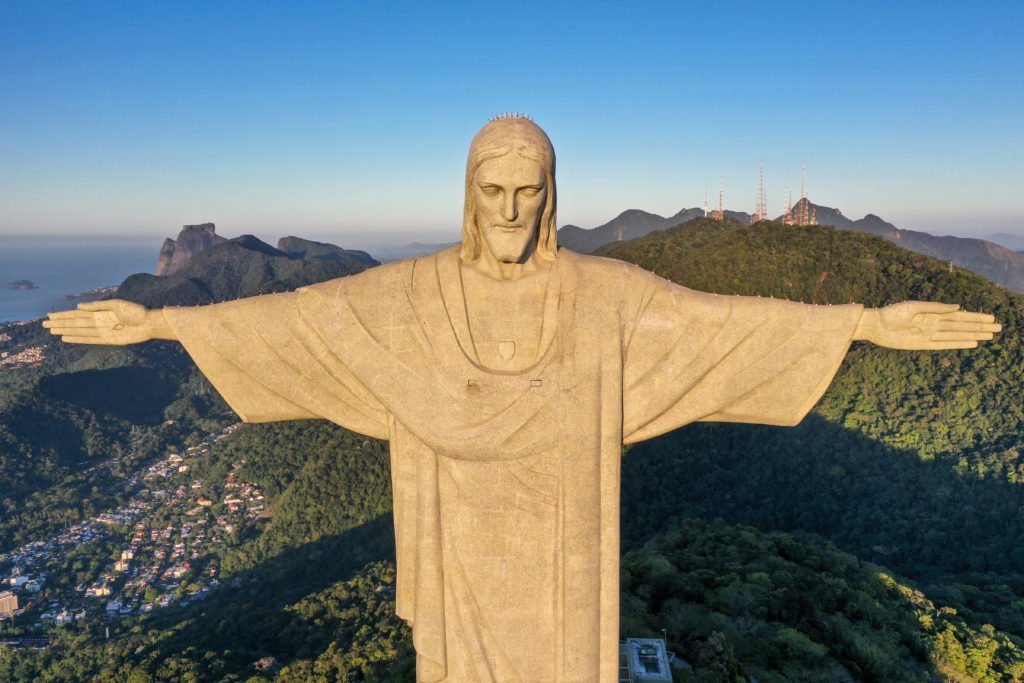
x=339, y=120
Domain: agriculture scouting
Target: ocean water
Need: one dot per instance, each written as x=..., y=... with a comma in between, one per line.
x=62, y=266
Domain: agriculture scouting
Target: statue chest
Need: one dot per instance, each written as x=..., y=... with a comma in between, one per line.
x=505, y=326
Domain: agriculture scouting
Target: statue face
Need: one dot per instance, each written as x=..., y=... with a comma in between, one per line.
x=509, y=194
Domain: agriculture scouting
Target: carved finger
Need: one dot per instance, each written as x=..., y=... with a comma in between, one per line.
x=962, y=336
x=970, y=326
x=968, y=316
x=934, y=307
x=70, y=315
x=77, y=331
x=71, y=322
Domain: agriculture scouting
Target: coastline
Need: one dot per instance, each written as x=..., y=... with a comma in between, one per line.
x=65, y=275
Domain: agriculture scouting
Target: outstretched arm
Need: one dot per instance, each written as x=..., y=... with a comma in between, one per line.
x=694, y=356
x=267, y=359
x=114, y=322
x=925, y=326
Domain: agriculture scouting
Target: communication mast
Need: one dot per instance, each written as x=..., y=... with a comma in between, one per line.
x=803, y=217
x=788, y=219
x=758, y=214
x=761, y=213
x=618, y=233
x=764, y=197
x=705, y=201
x=719, y=213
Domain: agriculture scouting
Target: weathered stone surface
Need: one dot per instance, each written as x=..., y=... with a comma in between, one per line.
x=506, y=376
x=163, y=262
x=175, y=254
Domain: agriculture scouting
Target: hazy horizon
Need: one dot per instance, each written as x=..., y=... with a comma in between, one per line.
x=383, y=238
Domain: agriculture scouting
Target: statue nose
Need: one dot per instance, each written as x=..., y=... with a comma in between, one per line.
x=510, y=208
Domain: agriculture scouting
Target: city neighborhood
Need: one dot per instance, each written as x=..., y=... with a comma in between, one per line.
x=157, y=548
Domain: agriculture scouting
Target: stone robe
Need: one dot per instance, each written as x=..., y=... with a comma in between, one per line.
x=506, y=484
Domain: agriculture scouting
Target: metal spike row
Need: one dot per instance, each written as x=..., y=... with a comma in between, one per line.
x=511, y=115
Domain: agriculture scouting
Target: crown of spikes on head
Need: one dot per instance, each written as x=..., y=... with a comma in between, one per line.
x=511, y=115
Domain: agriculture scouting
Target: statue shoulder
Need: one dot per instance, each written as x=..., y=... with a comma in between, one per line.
x=630, y=289
x=607, y=272
x=376, y=280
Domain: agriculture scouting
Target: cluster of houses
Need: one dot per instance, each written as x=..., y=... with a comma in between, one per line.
x=31, y=356
x=165, y=535
x=27, y=567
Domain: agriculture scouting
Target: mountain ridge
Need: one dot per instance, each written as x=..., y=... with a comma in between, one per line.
x=176, y=253
x=243, y=266
x=988, y=259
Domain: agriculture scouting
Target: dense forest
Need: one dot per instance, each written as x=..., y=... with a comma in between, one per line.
x=881, y=540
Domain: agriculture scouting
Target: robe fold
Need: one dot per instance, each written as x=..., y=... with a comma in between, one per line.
x=506, y=484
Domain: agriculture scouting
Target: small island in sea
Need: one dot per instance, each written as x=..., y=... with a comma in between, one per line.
x=22, y=284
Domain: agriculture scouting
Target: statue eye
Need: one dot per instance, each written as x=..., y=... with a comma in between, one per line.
x=530, y=191
x=489, y=190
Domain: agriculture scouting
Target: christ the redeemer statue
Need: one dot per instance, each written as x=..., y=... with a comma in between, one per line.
x=506, y=375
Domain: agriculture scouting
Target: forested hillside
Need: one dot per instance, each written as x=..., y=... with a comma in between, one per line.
x=880, y=540
x=76, y=419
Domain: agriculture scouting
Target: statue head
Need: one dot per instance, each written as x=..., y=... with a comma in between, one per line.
x=510, y=193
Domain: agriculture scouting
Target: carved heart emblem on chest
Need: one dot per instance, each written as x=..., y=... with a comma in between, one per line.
x=506, y=349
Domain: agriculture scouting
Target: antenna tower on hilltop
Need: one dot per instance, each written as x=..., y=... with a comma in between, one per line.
x=705, y=201
x=764, y=199
x=788, y=219
x=802, y=215
x=761, y=210
x=719, y=213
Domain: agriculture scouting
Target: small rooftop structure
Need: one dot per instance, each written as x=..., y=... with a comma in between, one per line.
x=644, y=659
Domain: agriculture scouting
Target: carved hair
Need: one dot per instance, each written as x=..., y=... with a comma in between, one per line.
x=505, y=134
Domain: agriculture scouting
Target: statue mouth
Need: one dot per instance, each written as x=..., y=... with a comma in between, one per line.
x=508, y=228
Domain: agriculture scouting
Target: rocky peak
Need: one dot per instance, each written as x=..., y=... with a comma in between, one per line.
x=175, y=254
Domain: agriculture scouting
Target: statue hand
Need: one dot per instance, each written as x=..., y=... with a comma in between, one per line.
x=925, y=326
x=113, y=322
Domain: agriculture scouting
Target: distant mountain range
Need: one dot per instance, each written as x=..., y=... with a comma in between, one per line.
x=244, y=266
x=988, y=259
x=387, y=254
x=633, y=223
x=995, y=259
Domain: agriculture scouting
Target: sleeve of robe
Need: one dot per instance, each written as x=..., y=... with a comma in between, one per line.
x=270, y=363
x=694, y=356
